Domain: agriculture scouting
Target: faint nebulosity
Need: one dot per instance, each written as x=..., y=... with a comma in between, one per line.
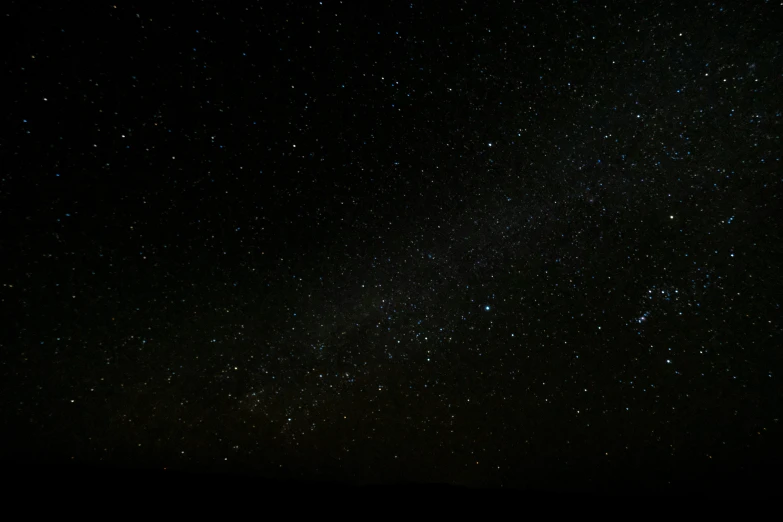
x=464, y=242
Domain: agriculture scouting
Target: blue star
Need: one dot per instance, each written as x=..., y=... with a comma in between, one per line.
x=486, y=308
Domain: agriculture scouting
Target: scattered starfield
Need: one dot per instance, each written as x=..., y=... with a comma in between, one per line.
x=458, y=242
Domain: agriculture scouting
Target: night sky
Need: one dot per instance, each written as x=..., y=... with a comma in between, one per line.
x=473, y=243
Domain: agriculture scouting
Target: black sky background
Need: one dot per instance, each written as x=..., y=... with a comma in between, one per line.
x=486, y=244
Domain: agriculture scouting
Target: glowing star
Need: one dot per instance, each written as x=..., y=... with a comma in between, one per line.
x=486, y=308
